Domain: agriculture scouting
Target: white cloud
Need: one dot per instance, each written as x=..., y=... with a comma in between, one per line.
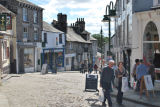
x=91, y=10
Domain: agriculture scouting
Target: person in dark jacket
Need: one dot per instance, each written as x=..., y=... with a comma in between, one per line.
x=107, y=77
x=121, y=72
x=151, y=71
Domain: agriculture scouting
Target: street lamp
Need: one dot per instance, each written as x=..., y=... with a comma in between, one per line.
x=110, y=12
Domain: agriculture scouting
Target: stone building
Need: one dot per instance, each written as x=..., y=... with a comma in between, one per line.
x=78, y=47
x=7, y=24
x=28, y=33
x=137, y=32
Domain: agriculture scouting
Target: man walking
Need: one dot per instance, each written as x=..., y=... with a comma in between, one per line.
x=141, y=71
x=107, y=77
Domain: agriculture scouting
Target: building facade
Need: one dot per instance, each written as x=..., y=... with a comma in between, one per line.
x=78, y=45
x=7, y=24
x=136, y=32
x=28, y=33
x=53, y=48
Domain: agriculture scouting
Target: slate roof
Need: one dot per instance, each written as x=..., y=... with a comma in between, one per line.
x=74, y=37
x=48, y=27
x=29, y=3
x=92, y=38
x=5, y=10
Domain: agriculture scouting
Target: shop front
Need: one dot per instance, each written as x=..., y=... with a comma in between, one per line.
x=29, y=60
x=151, y=47
x=25, y=56
x=54, y=58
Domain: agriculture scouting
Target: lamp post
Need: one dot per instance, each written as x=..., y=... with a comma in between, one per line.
x=101, y=48
x=110, y=12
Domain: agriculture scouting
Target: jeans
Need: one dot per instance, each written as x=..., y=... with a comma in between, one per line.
x=120, y=93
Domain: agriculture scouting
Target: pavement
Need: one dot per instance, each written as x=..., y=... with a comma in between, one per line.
x=3, y=100
x=131, y=95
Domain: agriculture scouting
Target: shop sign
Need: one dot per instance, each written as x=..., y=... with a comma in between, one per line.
x=2, y=22
x=58, y=50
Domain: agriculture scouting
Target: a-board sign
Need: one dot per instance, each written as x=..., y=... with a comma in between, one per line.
x=44, y=69
x=91, y=82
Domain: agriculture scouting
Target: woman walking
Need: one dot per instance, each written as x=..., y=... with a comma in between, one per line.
x=119, y=74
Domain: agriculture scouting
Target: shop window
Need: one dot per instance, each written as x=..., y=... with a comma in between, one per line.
x=60, y=38
x=35, y=34
x=25, y=32
x=28, y=57
x=25, y=14
x=45, y=37
x=35, y=16
x=67, y=61
x=5, y=50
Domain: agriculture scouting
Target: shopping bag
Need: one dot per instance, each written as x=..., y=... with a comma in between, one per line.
x=101, y=95
x=148, y=82
x=116, y=82
x=124, y=84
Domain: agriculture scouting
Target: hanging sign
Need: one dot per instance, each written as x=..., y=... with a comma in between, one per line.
x=2, y=22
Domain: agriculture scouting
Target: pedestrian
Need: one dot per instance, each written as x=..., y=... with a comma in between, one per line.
x=121, y=72
x=134, y=69
x=141, y=71
x=89, y=68
x=151, y=71
x=95, y=68
x=107, y=76
x=134, y=75
x=82, y=68
x=115, y=68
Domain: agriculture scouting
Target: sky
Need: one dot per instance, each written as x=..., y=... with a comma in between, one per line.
x=91, y=10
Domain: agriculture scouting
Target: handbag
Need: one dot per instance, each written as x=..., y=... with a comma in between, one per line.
x=101, y=95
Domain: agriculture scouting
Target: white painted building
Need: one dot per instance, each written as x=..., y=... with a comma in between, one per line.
x=137, y=30
x=53, y=48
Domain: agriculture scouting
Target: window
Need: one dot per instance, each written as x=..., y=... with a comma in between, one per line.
x=60, y=38
x=70, y=45
x=67, y=61
x=158, y=1
x=5, y=50
x=25, y=32
x=45, y=37
x=35, y=16
x=124, y=33
x=127, y=29
x=25, y=14
x=124, y=4
x=35, y=34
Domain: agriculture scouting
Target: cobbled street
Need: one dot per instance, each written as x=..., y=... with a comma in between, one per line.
x=64, y=89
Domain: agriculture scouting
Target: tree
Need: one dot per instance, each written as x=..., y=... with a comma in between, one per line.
x=104, y=40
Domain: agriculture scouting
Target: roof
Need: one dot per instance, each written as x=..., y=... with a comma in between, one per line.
x=29, y=3
x=74, y=37
x=5, y=10
x=92, y=38
x=85, y=32
x=48, y=27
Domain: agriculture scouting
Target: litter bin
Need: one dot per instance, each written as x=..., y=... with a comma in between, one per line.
x=91, y=82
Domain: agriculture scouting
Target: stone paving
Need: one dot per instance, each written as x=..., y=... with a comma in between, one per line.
x=65, y=89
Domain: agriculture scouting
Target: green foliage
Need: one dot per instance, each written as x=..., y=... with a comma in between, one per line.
x=98, y=37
